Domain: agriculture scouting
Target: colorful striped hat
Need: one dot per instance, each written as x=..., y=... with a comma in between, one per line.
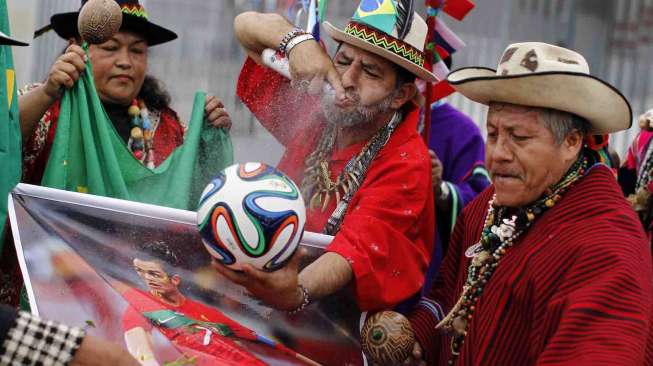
x=390, y=29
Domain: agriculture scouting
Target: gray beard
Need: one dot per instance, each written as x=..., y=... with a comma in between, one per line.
x=360, y=115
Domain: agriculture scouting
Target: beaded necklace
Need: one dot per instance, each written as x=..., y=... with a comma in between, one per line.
x=499, y=234
x=317, y=185
x=142, y=133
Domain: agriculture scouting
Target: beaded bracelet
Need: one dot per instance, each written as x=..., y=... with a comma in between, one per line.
x=305, y=302
x=290, y=35
x=297, y=40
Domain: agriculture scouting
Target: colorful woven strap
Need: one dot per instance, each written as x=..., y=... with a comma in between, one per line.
x=136, y=10
x=385, y=41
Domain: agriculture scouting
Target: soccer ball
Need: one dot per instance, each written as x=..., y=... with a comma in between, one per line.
x=251, y=213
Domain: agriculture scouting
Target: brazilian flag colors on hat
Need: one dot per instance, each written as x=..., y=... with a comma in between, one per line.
x=390, y=29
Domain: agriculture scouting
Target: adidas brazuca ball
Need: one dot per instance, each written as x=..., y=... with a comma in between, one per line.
x=251, y=213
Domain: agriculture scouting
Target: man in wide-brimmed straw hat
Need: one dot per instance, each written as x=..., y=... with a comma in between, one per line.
x=550, y=264
x=364, y=170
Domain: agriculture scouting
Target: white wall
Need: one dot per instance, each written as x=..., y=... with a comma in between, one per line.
x=22, y=23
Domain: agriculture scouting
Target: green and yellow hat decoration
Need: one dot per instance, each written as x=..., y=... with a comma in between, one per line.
x=390, y=29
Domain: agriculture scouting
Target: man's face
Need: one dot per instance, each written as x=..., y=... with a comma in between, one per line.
x=522, y=155
x=155, y=277
x=370, y=85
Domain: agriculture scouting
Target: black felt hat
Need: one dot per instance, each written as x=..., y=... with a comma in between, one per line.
x=6, y=40
x=134, y=18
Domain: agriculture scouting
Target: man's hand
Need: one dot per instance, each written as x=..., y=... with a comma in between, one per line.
x=94, y=351
x=278, y=289
x=65, y=71
x=215, y=113
x=311, y=65
x=417, y=359
x=436, y=172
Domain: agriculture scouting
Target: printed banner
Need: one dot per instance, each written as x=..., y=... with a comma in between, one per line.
x=139, y=275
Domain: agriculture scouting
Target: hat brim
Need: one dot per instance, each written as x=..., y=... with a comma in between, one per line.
x=5, y=40
x=65, y=25
x=341, y=36
x=602, y=105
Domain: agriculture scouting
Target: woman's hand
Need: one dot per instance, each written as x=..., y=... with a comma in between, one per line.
x=216, y=114
x=65, y=71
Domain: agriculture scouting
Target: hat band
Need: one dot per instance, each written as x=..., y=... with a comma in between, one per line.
x=385, y=41
x=136, y=10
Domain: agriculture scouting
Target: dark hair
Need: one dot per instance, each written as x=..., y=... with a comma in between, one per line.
x=154, y=94
x=404, y=76
x=159, y=251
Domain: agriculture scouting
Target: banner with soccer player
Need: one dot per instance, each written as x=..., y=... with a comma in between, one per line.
x=139, y=275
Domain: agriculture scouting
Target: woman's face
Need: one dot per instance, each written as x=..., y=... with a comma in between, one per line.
x=119, y=67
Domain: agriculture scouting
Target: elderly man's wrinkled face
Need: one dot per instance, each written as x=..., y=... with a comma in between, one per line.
x=522, y=155
x=370, y=84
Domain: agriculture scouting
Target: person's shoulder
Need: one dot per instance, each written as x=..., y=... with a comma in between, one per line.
x=410, y=152
x=595, y=213
x=447, y=114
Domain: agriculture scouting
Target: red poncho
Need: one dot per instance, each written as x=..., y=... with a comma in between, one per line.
x=575, y=289
x=387, y=233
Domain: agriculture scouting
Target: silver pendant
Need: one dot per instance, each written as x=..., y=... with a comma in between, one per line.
x=474, y=250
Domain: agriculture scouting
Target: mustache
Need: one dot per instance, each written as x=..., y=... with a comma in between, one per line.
x=505, y=172
x=350, y=95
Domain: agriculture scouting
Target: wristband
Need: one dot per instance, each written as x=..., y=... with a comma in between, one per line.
x=297, y=40
x=290, y=35
x=305, y=302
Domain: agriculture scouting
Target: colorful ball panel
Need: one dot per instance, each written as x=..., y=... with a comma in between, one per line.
x=251, y=213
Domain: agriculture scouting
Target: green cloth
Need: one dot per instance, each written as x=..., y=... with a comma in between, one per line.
x=173, y=320
x=10, y=138
x=380, y=15
x=89, y=156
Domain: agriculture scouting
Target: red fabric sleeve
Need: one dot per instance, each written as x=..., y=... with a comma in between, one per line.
x=269, y=96
x=601, y=312
x=168, y=136
x=631, y=157
x=448, y=284
x=385, y=235
x=422, y=319
x=132, y=318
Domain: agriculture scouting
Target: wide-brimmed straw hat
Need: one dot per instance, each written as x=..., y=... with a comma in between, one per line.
x=134, y=18
x=390, y=29
x=543, y=75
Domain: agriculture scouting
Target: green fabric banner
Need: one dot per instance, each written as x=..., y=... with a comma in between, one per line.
x=89, y=156
x=10, y=138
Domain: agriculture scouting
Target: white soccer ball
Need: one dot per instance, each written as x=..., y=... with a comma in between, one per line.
x=251, y=213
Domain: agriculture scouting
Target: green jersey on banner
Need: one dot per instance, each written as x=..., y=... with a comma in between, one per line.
x=89, y=156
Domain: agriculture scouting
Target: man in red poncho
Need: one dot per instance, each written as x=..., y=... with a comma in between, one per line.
x=548, y=266
x=363, y=168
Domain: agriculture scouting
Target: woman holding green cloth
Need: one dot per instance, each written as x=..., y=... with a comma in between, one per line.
x=126, y=92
